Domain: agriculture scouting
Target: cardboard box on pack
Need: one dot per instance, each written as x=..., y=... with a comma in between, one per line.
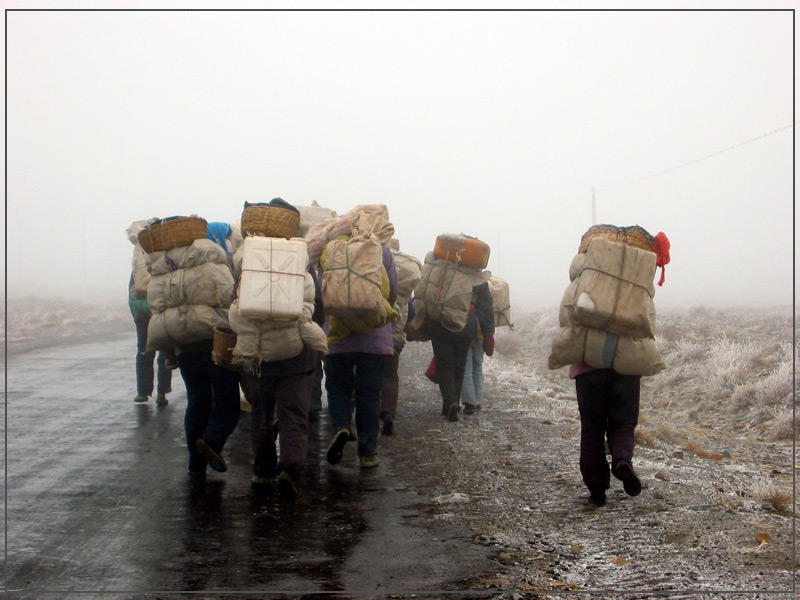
x=273, y=278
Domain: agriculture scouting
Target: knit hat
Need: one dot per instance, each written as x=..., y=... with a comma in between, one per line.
x=661, y=248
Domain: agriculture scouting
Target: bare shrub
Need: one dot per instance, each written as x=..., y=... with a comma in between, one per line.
x=645, y=436
x=767, y=492
x=776, y=386
x=669, y=333
x=785, y=427
x=508, y=343
x=665, y=379
x=689, y=351
x=727, y=363
x=743, y=396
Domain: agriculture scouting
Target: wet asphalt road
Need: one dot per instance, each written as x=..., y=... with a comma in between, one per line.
x=99, y=504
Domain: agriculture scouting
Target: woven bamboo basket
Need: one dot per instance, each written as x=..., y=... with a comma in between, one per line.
x=270, y=221
x=635, y=236
x=172, y=233
x=224, y=343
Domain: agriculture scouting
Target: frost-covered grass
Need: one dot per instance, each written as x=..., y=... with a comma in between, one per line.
x=737, y=362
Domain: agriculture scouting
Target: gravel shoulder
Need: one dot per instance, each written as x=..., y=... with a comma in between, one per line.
x=510, y=475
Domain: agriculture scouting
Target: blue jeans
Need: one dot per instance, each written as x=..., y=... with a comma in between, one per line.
x=472, y=390
x=356, y=374
x=212, y=409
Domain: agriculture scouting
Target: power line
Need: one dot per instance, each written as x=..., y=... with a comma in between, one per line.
x=697, y=160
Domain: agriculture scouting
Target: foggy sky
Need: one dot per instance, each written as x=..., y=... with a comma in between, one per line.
x=495, y=124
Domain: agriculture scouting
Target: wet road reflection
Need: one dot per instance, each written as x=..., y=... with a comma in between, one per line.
x=99, y=499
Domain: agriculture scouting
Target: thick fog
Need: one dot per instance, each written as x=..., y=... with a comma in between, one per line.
x=495, y=124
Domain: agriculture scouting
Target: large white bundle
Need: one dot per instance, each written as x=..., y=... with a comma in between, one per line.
x=184, y=325
x=613, y=290
x=501, y=299
x=603, y=350
x=272, y=271
x=268, y=340
x=445, y=291
x=200, y=252
x=209, y=284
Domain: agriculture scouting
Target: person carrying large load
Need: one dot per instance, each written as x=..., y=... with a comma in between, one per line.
x=606, y=335
x=452, y=303
x=277, y=339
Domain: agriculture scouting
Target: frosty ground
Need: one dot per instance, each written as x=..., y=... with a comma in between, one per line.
x=715, y=453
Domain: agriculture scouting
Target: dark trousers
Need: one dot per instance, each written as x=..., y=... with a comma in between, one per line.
x=287, y=398
x=212, y=408
x=609, y=407
x=356, y=375
x=316, y=386
x=390, y=385
x=144, y=364
x=451, y=361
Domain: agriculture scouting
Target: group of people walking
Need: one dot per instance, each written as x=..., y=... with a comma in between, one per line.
x=359, y=370
x=359, y=364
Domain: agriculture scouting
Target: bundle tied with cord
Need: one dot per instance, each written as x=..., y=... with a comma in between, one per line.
x=607, y=314
x=355, y=285
x=271, y=313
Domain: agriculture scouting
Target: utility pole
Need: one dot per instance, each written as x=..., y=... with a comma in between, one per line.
x=594, y=209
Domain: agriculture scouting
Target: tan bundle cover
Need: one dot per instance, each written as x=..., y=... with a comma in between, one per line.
x=141, y=278
x=184, y=325
x=501, y=299
x=409, y=272
x=209, y=284
x=323, y=232
x=352, y=278
x=446, y=291
x=602, y=350
x=614, y=290
x=312, y=215
x=197, y=253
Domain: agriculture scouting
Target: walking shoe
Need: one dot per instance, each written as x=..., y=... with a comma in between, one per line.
x=161, y=400
x=258, y=483
x=141, y=398
x=339, y=439
x=286, y=488
x=452, y=413
x=630, y=482
x=369, y=461
x=597, y=498
x=215, y=461
x=388, y=426
x=469, y=409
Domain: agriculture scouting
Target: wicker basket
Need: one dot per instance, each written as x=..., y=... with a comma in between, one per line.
x=635, y=236
x=270, y=221
x=172, y=233
x=224, y=343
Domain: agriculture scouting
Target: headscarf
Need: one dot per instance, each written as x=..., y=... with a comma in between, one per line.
x=219, y=232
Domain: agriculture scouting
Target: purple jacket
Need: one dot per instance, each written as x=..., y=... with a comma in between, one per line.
x=377, y=341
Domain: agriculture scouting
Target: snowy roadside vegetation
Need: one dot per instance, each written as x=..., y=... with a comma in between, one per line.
x=714, y=452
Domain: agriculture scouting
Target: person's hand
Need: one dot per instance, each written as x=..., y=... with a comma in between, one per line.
x=488, y=344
